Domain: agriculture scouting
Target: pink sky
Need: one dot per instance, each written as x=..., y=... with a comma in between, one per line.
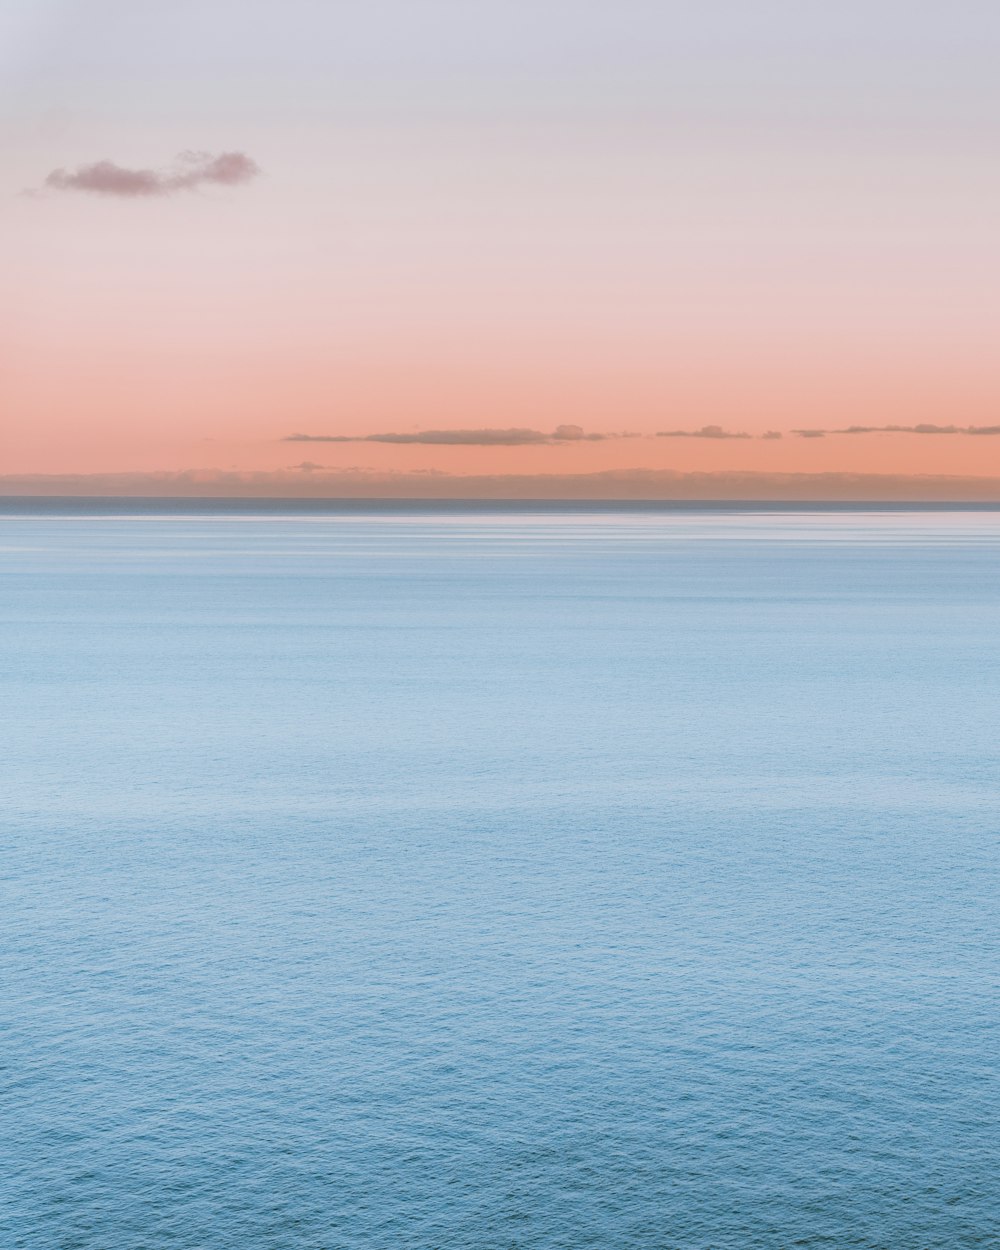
x=634, y=219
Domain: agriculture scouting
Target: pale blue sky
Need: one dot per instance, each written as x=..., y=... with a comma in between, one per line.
x=784, y=61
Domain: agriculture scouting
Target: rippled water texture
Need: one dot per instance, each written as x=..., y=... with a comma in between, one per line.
x=469, y=880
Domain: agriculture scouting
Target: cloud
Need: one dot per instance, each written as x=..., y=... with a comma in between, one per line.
x=516, y=436
x=320, y=438
x=575, y=434
x=190, y=171
x=706, y=431
x=512, y=437
x=923, y=428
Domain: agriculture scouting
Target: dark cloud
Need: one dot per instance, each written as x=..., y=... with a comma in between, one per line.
x=772, y=434
x=513, y=437
x=189, y=171
x=810, y=433
x=706, y=431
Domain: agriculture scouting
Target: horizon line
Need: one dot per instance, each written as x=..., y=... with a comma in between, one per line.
x=611, y=486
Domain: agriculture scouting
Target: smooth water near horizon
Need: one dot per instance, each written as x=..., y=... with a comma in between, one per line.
x=499, y=880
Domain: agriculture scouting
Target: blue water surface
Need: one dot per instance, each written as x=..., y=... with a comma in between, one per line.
x=457, y=879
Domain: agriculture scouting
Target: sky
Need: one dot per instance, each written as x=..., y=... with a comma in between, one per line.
x=306, y=242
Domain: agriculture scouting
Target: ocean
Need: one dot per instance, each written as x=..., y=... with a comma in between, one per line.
x=417, y=877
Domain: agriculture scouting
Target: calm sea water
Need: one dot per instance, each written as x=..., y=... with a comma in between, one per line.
x=495, y=879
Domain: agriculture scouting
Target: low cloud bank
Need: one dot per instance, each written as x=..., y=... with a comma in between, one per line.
x=311, y=481
x=190, y=171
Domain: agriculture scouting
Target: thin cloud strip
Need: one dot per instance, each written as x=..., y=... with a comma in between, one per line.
x=919, y=429
x=190, y=171
x=923, y=428
x=516, y=436
x=512, y=437
x=706, y=431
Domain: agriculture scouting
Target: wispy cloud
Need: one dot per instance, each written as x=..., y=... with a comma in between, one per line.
x=706, y=431
x=923, y=428
x=189, y=171
x=517, y=436
x=488, y=437
x=919, y=429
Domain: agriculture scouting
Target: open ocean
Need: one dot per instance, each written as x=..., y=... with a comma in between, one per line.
x=479, y=878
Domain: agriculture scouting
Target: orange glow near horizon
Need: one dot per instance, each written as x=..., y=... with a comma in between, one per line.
x=452, y=261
